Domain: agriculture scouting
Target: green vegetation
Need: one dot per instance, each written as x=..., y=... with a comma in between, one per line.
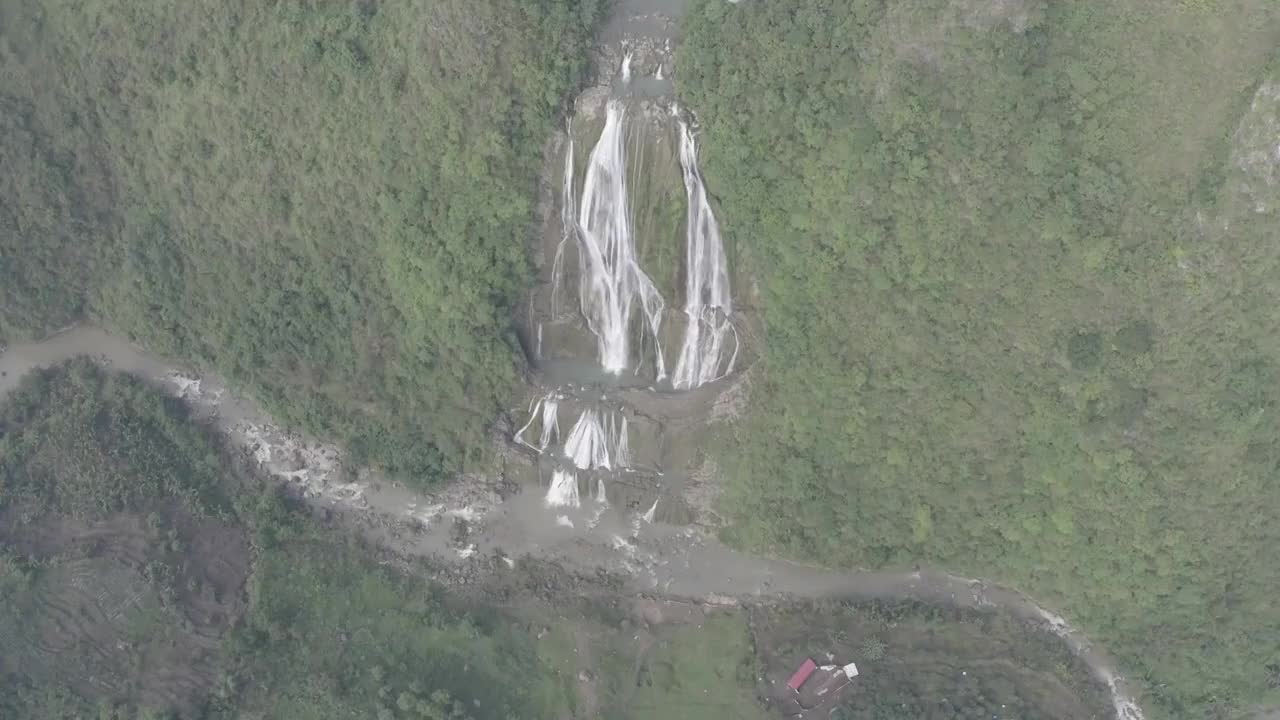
x=702, y=674
x=328, y=203
x=81, y=443
x=332, y=635
x=924, y=662
x=1019, y=305
x=635, y=671
x=313, y=629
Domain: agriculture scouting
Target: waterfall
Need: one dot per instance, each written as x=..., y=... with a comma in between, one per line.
x=550, y=406
x=612, y=284
x=598, y=440
x=619, y=302
x=568, y=223
x=618, y=437
x=563, y=491
x=587, y=446
x=550, y=423
x=708, y=303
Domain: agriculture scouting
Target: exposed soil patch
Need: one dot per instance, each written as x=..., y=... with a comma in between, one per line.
x=131, y=607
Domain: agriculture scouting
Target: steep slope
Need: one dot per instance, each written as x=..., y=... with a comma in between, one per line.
x=1018, y=322
x=329, y=204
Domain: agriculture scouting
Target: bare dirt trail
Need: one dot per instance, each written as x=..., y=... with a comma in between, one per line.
x=483, y=515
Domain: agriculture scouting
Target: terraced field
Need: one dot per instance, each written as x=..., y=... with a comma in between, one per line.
x=124, y=608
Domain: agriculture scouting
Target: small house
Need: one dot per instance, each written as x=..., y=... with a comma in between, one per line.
x=802, y=674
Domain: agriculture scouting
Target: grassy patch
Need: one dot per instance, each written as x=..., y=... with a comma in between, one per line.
x=699, y=667
x=702, y=672
x=659, y=207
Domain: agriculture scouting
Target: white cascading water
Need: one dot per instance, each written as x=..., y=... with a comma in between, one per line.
x=598, y=440
x=568, y=225
x=708, y=302
x=549, y=405
x=587, y=446
x=620, y=437
x=563, y=491
x=651, y=513
x=612, y=283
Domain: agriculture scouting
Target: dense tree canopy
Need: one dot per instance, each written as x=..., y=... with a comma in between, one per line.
x=325, y=631
x=329, y=202
x=1020, y=312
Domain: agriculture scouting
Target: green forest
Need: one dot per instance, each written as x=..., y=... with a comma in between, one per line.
x=1018, y=264
x=158, y=513
x=328, y=202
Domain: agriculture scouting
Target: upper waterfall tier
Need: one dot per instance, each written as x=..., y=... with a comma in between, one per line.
x=612, y=284
x=637, y=239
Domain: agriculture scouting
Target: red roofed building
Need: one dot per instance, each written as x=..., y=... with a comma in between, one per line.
x=801, y=674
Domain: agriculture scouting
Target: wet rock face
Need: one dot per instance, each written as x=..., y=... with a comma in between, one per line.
x=588, y=107
x=565, y=337
x=649, y=55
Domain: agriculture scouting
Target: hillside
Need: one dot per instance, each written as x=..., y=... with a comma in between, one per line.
x=1018, y=266
x=329, y=204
